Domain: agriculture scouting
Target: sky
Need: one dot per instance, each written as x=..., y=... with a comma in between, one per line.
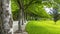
x=48, y=10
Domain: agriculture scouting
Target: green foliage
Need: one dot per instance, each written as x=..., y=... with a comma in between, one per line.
x=33, y=8
x=38, y=10
x=57, y=1
x=15, y=10
x=16, y=14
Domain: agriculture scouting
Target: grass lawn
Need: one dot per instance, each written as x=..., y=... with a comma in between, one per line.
x=43, y=27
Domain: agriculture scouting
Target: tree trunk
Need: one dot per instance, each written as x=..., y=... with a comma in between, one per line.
x=21, y=14
x=55, y=15
x=6, y=17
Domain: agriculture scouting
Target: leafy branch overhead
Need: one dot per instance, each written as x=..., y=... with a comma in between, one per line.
x=36, y=7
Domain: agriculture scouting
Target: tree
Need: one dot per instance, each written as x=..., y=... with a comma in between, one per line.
x=21, y=14
x=5, y=17
x=55, y=5
x=55, y=15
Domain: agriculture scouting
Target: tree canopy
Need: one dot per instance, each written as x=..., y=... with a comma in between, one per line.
x=35, y=7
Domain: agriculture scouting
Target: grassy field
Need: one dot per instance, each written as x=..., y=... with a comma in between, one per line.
x=43, y=27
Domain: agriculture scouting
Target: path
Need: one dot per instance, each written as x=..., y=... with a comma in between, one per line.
x=15, y=27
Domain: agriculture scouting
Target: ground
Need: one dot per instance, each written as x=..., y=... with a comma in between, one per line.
x=15, y=27
x=43, y=27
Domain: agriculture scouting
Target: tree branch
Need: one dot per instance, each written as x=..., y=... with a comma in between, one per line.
x=27, y=5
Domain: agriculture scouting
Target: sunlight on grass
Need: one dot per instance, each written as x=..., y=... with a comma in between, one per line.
x=43, y=27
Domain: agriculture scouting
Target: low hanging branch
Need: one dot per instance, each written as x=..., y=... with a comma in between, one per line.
x=27, y=5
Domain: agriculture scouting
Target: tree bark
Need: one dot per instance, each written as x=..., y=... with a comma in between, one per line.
x=21, y=14
x=6, y=17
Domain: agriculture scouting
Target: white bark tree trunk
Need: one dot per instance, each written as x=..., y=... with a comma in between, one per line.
x=6, y=17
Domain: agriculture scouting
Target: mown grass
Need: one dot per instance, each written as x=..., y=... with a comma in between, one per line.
x=43, y=27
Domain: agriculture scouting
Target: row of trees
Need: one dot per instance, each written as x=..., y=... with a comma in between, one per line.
x=33, y=8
